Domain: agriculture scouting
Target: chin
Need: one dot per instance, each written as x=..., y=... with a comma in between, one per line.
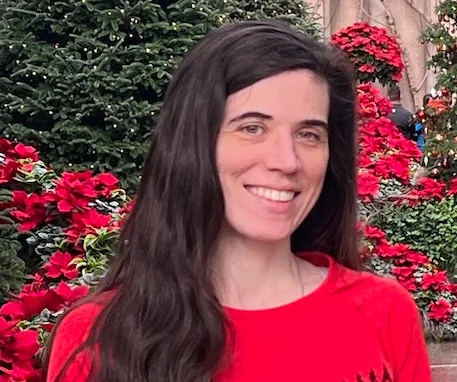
x=267, y=235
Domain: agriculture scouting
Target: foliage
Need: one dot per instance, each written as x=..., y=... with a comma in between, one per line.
x=429, y=227
x=375, y=54
x=82, y=81
x=12, y=267
x=441, y=135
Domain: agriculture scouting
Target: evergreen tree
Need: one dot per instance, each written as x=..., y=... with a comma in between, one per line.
x=83, y=80
x=12, y=267
x=440, y=117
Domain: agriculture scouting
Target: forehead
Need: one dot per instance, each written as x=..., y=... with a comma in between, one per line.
x=293, y=94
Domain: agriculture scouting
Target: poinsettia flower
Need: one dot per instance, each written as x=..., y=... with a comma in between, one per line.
x=59, y=266
x=25, y=345
x=105, y=183
x=86, y=223
x=28, y=305
x=31, y=210
x=441, y=310
x=404, y=273
x=368, y=186
x=367, y=68
x=26, y=152
x=434, y=280
x=17, y=350
x=21, y=371
x=74, y=191
x=69, y=295
x=6, y=327
x=364, y=161
x=428, y=188
x=417, y=257
x=387, y=250
x=370, y=102
x=373, y=232
x=8, y=170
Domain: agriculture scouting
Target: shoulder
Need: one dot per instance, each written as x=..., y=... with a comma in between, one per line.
x=369, y=288
x=391, y=310
x=70, y=333
x=371, y=294
x=382, y=300
x=78, y=320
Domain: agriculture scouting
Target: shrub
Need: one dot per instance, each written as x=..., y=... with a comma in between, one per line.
x=68, y=227
x=429, y=227
x=375, y=54
x=12, y=267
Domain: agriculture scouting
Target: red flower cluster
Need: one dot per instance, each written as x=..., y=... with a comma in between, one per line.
x=18, y=347
x=415, y=272
x=75, y=190
x=427, y=189
x=61, y=265
x=13, y=156
x=86, y=223
x=17, y=351
x=31, y=303
x=67, y=202
x=375, y=54
x=371, y=104
x=384, y=153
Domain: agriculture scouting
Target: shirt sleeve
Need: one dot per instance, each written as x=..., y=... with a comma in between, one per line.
x=410, y=357
x=71, y=333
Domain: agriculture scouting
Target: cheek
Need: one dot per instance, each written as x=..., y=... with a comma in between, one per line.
x=315, y=165
x=233, y=161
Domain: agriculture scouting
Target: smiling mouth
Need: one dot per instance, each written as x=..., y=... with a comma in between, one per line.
x=272, y=194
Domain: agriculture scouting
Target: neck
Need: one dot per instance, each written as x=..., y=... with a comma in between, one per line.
x=251, y=274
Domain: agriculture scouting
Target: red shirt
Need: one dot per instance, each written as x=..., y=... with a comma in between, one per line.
x=356, y=327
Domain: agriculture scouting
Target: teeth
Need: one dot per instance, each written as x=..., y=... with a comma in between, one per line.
x=276, y=195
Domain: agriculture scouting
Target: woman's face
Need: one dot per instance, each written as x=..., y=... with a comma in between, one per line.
x=272, y=154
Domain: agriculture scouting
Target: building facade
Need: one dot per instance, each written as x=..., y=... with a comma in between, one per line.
x=406, y=19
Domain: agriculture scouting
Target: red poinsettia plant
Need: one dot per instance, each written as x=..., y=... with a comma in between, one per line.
x=72, y=222
x=388, y=167
x=375, y=54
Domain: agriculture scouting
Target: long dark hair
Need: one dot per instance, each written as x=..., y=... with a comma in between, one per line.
x=164, y=321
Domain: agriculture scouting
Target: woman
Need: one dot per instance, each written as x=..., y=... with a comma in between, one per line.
x=239, y=260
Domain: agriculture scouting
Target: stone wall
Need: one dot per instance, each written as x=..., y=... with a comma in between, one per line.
x=405, y=18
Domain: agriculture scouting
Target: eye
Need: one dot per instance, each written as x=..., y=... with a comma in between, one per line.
x=309, y=135
x=253, y=129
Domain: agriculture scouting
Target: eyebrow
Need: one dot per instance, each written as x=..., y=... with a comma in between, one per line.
x=257, y=114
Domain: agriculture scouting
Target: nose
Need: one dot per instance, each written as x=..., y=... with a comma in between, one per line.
x=281, y=154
